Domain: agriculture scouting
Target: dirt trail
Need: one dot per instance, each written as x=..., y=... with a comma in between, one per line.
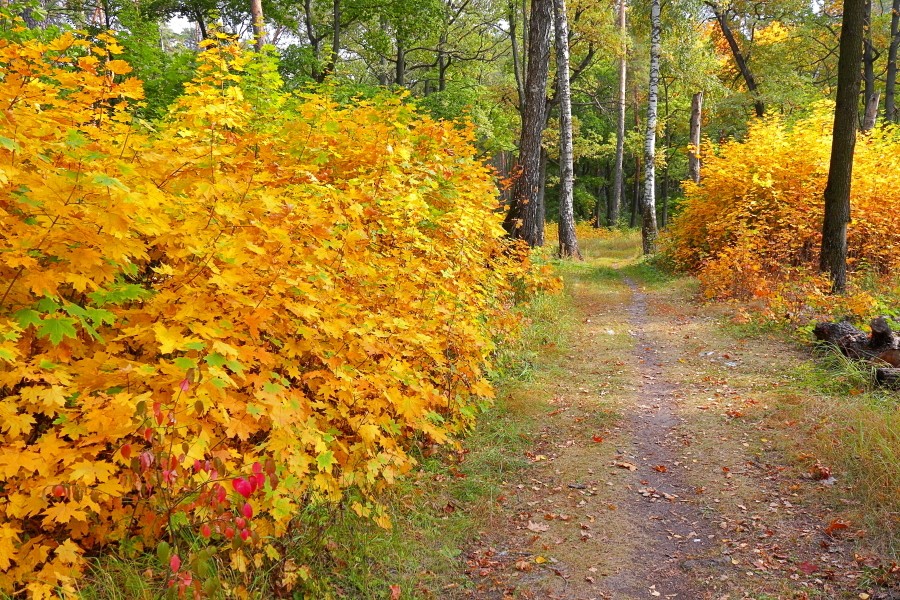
x=650, y=478
x=673, y=531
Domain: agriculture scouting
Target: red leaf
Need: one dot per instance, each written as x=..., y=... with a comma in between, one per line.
x=836, y=525
x=808, y=567
x=597, y=438
x=395, y=592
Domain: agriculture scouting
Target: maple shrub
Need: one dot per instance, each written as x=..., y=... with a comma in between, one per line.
x=206, y=323
x=751, y=229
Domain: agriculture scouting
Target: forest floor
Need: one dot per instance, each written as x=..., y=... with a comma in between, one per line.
x=660, y=466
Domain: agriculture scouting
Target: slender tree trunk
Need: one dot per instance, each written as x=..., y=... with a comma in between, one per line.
x=517, y=67
x=636, y=197
x=649, y=231
x=400, y=70
x=256, y=12
x=607, y=197
x=568, y=243
x=201, y=25
x=868, y=59
x=739, y=59
x=890, y=86
x=871, y=112
x=694, y=152
x=619, y=182
x=335, y=38
x=833, y=257
x=525, y=217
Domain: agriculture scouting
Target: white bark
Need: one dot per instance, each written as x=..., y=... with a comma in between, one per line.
x=649, y=230
x=568, y=244
x=619, y=177
x=694, y=154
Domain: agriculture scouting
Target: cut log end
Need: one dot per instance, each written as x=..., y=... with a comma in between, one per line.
x=880, y=347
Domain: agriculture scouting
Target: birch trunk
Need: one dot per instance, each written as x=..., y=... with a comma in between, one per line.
x=619, y=178
x=649, y=230
x=694, y=153
x=568, y=243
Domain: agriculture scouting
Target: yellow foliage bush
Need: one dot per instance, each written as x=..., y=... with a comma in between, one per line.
x=752, y=228
x=205, y=323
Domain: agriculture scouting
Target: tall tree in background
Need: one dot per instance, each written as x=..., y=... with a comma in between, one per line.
x=649, y=231
x=694, y=153
x=568, y=244
x=526, y=215
x=619, y=177
x=890, y=87
x=833, y=257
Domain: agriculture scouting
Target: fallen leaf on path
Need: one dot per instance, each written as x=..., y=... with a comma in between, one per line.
x=660, y=468
x=523, y=565
x=537, y=527
x=626, y=465
x=597, y=438
x=820, y=472
x=395, y=592
x=807, y=567
x=836, y=525
x=540, y=560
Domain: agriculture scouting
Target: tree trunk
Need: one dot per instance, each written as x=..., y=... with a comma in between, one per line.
x=335, y=39
x=256, y=12
x=568, y=243
x=739, y=59
x=619, y=183
x=890, y=86
x=525, y=218
x=636, y=197
x=514, y=41
x=871, y=112
x=868, y=58
x=400, y=64
x=694, y=152
x=833, y=257
x=649, y=231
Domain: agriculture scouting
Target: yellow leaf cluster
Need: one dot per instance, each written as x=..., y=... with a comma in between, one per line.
x=752, y=228
x=258, y=278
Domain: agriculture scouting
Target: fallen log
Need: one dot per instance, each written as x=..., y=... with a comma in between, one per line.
x=858, y=344
x=881, y=346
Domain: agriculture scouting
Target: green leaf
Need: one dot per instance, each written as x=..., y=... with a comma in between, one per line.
x=47, y=305
x=235, y=366
x=9, y=144
x=107, y=181
x=325, y=460
x=215, y=359
x=7, y=355
x=57, y=328
x=26, y=317
x=198, y=346
x=272, y=388
x=185, y=363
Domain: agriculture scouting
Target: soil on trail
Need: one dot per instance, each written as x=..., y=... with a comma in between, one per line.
x=654, y=474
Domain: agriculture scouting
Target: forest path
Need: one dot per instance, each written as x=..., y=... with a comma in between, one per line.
x=654, y=472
